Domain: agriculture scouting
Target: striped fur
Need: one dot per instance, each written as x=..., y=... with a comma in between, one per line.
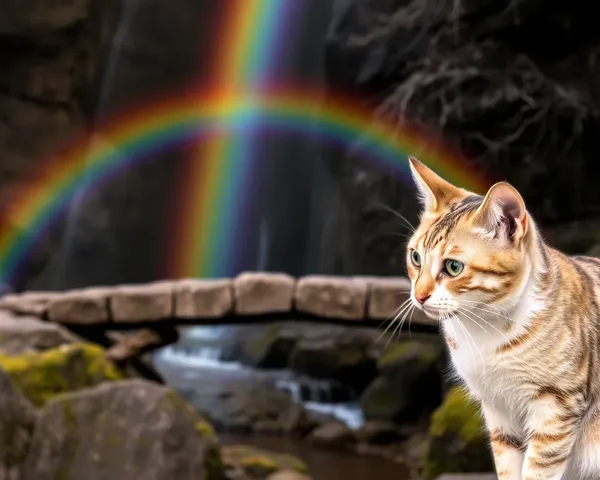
x=522, y=323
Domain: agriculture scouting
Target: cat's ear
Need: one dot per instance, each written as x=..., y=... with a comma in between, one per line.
x=435, y=193
x=502, y=213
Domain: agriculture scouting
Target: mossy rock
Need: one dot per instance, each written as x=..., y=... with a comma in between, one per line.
x=409, y=383
x=258, y=463
x=122, y=430
x=426, y=352
x=457, y=439
x=40, y=376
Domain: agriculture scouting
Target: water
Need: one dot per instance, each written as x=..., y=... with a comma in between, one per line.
x=195, y=363
x=325, y=464
x=198, y=357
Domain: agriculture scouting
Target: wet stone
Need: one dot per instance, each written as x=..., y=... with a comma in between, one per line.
x=257, y=292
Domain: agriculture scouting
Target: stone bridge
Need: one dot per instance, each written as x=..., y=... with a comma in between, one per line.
x=152, y=312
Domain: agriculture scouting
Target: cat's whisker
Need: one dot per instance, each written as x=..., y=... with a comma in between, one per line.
x=401, y=324
x=465, y=309
x=471, y=340
x=399, y=215
x=396, y=314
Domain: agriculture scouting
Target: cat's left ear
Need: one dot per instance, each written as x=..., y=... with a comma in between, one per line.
x=502, y=213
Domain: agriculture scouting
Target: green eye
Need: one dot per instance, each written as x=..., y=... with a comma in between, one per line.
x=454, y=267
x=415, y=258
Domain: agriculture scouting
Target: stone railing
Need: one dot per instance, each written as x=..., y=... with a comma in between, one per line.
x=155, y=310
x=250, y=295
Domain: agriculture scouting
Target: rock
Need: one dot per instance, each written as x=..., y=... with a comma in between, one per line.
x=41, y=376
x=122, y=430
x=469, y=476
x=17, y=421
x=386, y=295
x=334, y=435
x=409, y=382
x=257, y=292
x=334, y=297
x=287, y=475
x=20, y=334
x=246, y=462
x=80, y=307
x=457, y=441
x=29, y=303
x=266, y=347
x=250, y=407
x=142, y=303
x=345, y=357
x=136, y=344
x=203, y=298
x=378, y=432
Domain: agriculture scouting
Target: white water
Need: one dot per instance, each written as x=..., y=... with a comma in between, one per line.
x=315, y=395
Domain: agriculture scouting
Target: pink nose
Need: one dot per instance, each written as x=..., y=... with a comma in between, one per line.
x=422, y=297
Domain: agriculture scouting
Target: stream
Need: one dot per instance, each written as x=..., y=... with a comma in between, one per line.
x=197, y=366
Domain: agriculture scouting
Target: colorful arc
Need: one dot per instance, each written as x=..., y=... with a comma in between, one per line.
x=149, y=130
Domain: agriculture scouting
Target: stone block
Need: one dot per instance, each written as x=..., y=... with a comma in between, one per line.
x=333, y=297
x=260, y=292
x=468, y=476
x=29, y=303
x=386, y=295
x=141, y=303
x=80, y=307
x=195, y=298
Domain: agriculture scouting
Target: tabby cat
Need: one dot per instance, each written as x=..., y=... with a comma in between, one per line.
x=521, y=322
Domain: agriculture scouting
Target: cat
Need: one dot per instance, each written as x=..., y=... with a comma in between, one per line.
x=521, y=321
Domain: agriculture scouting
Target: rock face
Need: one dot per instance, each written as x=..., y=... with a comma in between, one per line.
x=122, y=430
x=17, y=421
x=457, y=441
x=471, y=73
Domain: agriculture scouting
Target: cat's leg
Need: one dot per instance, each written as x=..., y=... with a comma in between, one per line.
x=552, y=423
x=507, y=448
x=586, y=461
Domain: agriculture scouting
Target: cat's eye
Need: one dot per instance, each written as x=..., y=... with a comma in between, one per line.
x=453, y=267
x=415, y=258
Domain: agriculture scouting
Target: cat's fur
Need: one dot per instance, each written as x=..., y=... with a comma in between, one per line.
x=522, y=325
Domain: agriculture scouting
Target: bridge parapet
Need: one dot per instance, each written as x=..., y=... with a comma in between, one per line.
x=250, y=295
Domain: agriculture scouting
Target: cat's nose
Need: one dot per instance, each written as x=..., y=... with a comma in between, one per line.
x=422, y=297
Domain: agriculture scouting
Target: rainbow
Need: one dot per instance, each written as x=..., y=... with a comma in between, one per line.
x=238, y=101
x=136, y=137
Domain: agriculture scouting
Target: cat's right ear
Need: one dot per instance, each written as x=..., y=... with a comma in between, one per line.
x=435, y=193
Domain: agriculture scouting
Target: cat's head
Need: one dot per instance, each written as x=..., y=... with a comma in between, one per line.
x=468, y=251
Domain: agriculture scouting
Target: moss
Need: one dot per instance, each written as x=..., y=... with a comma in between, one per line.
x=427, y=353
x=258, y=348
x=206, y=429
x=40, y=376
x=258, y=462
x=457, y=438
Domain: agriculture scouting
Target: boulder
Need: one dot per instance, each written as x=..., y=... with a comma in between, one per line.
x=457, y=441
x=333, y=435
x=43, y=375
x=409, y=382
x=122, y=430
x=345, y=356
x=242, y=462
x=251, y=407
x=20, y=334
x=287, y=475
x=378, y=432
x=17, y=420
